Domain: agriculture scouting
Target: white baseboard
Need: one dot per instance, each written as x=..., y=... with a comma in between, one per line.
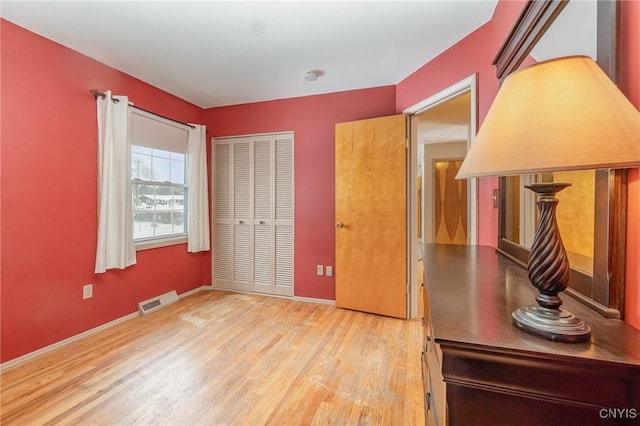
x=314, y=300
x=296, y=298
x=194, y=291
x=230, y=290
x=61, y=343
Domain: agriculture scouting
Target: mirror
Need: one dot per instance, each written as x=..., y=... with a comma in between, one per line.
x=591, y=211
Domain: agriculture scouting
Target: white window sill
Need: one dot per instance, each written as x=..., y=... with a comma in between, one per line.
x=153, y=243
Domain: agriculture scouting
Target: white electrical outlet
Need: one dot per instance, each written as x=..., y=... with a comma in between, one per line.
x=87, y=291
x=328, y=271
x=319, y=270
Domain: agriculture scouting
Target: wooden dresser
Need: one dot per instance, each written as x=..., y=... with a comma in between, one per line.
x=478, y=369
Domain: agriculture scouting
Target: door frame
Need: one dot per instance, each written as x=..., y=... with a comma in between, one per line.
x=467, y=85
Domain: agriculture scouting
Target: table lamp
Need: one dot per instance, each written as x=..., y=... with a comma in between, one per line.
x=558, y=115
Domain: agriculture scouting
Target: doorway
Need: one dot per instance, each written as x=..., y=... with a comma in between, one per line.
x=442, y=129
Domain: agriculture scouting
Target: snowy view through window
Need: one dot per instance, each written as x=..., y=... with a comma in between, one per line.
x=159, y=193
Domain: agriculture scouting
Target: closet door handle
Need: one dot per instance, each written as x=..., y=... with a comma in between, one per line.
x=241, y=222
x=262, y=222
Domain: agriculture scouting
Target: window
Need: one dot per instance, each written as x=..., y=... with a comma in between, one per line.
x=158, y=181
x=159, y=192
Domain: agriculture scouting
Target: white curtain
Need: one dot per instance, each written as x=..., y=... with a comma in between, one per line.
x=198, y=200
x=116, y=248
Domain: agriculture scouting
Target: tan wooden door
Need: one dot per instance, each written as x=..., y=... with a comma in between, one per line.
x=450, y=203
x=371, y=227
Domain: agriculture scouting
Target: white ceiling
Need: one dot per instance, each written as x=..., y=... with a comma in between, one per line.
x=215, y=53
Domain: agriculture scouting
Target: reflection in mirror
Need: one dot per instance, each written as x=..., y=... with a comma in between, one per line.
x=521, y=213
x=576, y=217
x=513, y=211
x=575, y=214
x=572, y=33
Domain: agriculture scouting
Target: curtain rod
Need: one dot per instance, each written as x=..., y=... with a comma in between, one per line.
x=96, y=94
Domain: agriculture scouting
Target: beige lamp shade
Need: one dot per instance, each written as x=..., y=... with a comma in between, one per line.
x=562, y=114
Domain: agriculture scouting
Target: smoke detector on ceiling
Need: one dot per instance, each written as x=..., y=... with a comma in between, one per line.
x=311, y=75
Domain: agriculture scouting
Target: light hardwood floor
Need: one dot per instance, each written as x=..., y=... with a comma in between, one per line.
x=220, y=358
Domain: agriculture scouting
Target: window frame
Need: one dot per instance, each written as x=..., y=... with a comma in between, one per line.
x=147, y=243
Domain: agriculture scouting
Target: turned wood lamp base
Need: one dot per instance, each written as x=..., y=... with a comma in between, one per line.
x=549, y=272
x=551, y=324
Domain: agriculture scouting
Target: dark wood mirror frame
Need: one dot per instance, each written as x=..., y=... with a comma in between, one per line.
x=604, y=291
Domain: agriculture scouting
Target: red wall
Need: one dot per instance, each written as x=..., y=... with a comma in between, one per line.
x=630, y=85
x=313, y=119
x=49, y=181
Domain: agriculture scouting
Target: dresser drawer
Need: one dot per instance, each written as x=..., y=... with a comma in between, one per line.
x=429, y=418
x=437, y=386
x=434, y=385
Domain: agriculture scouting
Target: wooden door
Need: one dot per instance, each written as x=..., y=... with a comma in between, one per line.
x=371, y=210
x=450, y=203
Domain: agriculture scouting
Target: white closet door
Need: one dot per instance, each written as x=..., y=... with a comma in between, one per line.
x=262, y=215
x=242, y=226
x=284, y=215
x=253, y=234
x=222, y=241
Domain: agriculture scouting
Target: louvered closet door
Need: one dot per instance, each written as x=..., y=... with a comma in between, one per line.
x=222, y=235
x=262, y=212
x=254, y=214
x=242, y=226
x=284, y=215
